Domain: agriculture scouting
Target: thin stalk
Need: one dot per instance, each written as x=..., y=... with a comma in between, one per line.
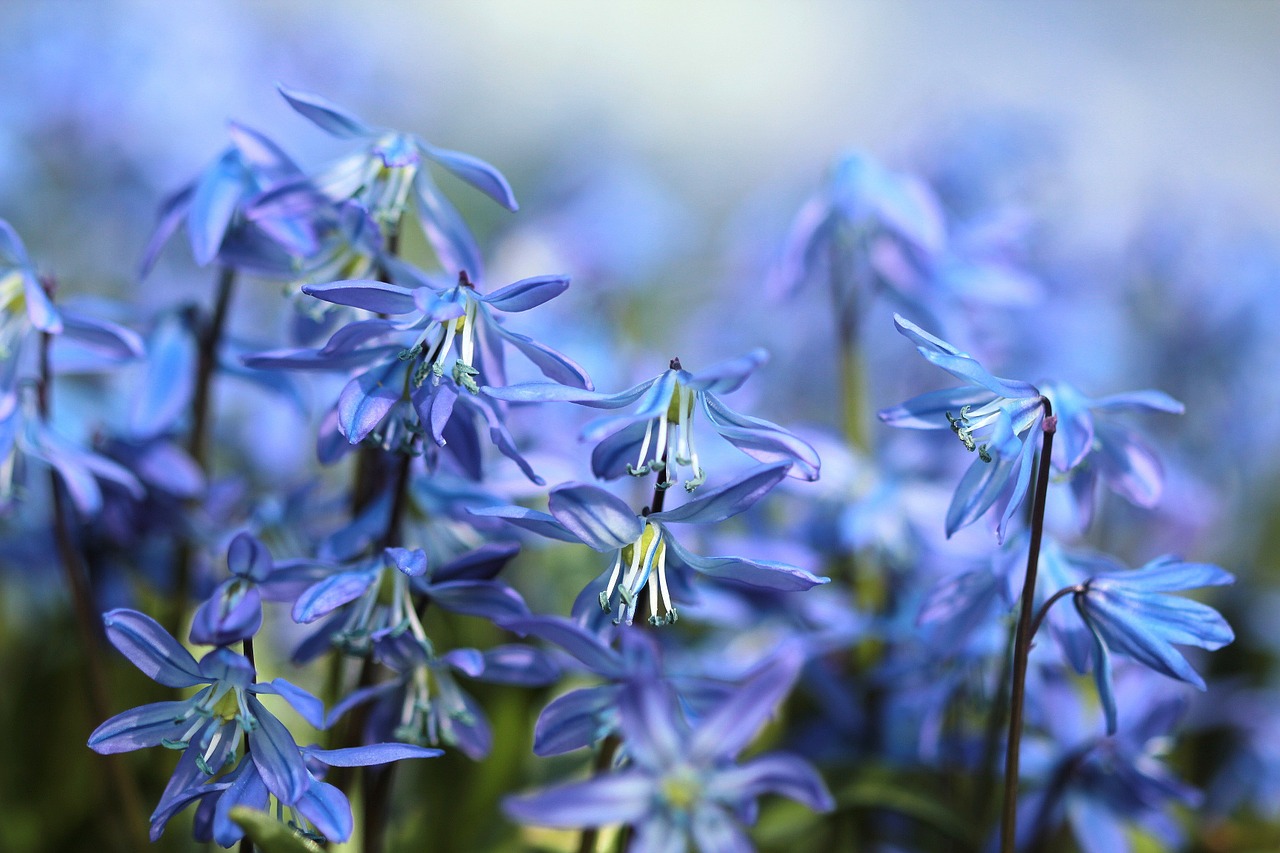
x=376, y=790
x=209, y=333
x=1022, y=642
x=88, y=620
x=246, y=843
x=603, y=761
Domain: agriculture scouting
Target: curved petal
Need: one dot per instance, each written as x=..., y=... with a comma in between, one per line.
x=727, y=376
x=775, y=773
x=714, y=830
x=476, y=172
x=527, y=293
x=761, y=574
x=599, y=520
x=929, y=410
x=249, y=558
x=217, y=194
x=553, y=365
x=623, y=797
x=308, y=707
x=367, y=399
x=582, y=644
x=328, y=810
x=574, y=720
x=528, y=519
x=517, y=664
x=325, y=115
x=370, y=295
x=445, y=229
x=762, y=440
x=370, y=754
x=276, y=755
x=331, y=593
x=733, y=724
x=1149, y=399
x=551, y=392
x=490, y=600
x=144, y=726
x=151, y=648
x=728, y=500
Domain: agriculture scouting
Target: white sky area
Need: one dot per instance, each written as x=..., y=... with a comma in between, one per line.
x=723, y=97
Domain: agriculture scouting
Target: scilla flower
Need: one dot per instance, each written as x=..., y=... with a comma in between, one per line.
x=658, y=435
x=643, y=547
x=993, y=417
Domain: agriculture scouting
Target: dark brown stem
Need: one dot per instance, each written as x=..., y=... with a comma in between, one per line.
x=1053, y=599
x=1022, y=642
x=209, y=333
x=604, y=760
x=88, y=620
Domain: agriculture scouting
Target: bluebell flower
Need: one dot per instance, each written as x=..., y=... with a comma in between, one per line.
x=1105, y=787
x=681, y=786
x=643, y=547
x=1131, y=612
x=216, y=209
x=584, y=716
x=378, y=594
x=214, y=721
x=859, y=230
x=1094, y=447
x=393, y=165
x=658, y=435
x=415, y=370
x=424, y=704
x=994, y=417
x=233, y=611
x=322, y=813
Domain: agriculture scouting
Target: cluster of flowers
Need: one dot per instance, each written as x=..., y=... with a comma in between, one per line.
x=886, y=664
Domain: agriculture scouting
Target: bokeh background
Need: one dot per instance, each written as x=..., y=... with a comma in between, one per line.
x=660, y=150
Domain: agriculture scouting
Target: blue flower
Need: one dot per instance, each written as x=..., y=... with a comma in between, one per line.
x=997, y=418
x=643, y=546
x=393, y=164
x=865, y=223
x=682, y=784
x=1095, y=448
x=1131, y=612
x=321, y=813
x=414, y=371
x=213, y=722
x=217, y=209
x=658, y=434
x=425, y=705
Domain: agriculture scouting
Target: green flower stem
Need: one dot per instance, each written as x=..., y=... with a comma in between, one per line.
x=88, y=620
x=1022, y=641
x=604, y=760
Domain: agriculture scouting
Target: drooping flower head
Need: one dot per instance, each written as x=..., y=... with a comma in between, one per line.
x=994, y=417
x=643, y=547
x=658, y=435
x=391, y=166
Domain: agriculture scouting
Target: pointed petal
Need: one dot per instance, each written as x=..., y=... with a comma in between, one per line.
x=623, y=797
x=552, y=392
x=977, y=492
x=331, y=593
x=490, y=600
x=728, y=729
x=527, y=293
x=727, y=376
x=371, y=754
x=103, y=336
x=728, y=500
x=583, y=645
x=553, y=365
x=599, y=519
x=929, y=411
x=308, y=707
x=328, y=810
x=1148, y=399
x=370, y=295
x=574, y=720
x=151, y=648
x=761, y=574
x=217, y=194
x=276, y=755
x=141, y=727
x=476, y=172
x=325, y=115
x=762, y=440
x=528, y=519
x=367, y=399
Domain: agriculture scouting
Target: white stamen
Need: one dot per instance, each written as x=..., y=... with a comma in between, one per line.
x=468, y=333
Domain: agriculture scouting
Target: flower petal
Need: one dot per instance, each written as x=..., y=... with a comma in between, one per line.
x=623, y=797
x=527, y=293
x=599, y=519
x=728, y=500
x=370, y=295
x=476, y=172
x=151, y=648
x=325, y=115
x=276, y=755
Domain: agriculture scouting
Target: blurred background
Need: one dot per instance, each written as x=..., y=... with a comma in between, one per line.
x=660, y=150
